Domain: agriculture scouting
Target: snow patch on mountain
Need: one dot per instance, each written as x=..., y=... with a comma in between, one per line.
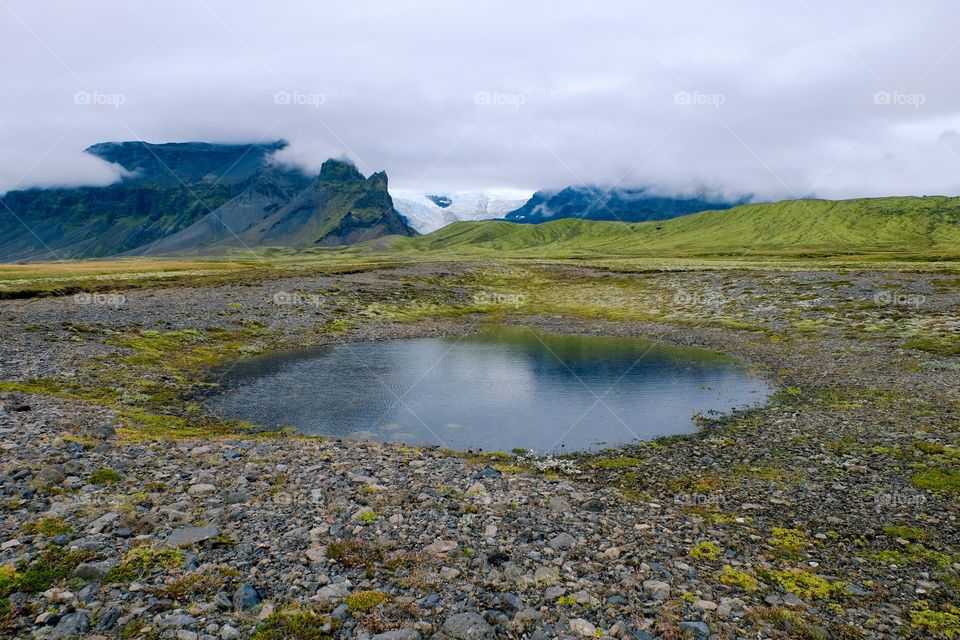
x=428, y=211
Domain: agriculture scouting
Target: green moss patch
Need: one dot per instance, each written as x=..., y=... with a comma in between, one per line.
x=141, y=561
x=302, y=625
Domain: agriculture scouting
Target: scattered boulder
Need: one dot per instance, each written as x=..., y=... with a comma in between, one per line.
x=467, y=626
x=245, y=597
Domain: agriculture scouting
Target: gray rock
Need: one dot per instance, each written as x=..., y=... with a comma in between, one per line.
x=228, y=632
x=510, y=601
x=467, y=626
x=583, y=627
x=657, y=589
x=697, y=628
x=191, y=535
x=70, y=625
x=792, y=600
x=108, y=618
x=527, y=615
x=562, y=541
x=93, y=570
x=398, y=634
x=52, y=474
x=332, y=592
x=236, y=497
x=856, y=590
x=176, y=620
x=102, y=431
x=245, y=597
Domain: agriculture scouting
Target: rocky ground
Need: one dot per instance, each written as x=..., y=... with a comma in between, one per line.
x=830, y=513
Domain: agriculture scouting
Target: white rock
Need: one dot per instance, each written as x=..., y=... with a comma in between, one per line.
x=101, y=523
x=316, y=553
x=228, y=632
x=583, y=627
x=448, y=573
x=657, y=589
x=441, y=547
x=265, y=611
x=201, y=489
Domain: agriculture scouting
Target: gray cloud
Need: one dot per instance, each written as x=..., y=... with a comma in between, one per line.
x=778, y=100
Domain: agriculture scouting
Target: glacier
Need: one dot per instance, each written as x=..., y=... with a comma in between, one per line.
x=429, y=210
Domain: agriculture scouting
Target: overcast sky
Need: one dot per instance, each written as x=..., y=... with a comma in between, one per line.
x=776, y=99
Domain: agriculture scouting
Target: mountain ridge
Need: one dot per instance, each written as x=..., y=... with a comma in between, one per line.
x=623, y=204
x=904, y=225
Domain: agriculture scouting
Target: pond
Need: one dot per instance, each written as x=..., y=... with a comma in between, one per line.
x=500, y=389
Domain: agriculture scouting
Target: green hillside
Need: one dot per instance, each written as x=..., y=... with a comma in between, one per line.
x=899, y=226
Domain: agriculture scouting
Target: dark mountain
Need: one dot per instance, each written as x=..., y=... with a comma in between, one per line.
x=169, y=188
x=339, y=207
x=599, y=203
x=196, y=197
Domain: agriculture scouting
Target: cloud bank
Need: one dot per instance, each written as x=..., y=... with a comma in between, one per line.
x=778, y=100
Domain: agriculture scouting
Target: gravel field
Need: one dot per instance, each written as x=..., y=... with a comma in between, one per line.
x=829, y=513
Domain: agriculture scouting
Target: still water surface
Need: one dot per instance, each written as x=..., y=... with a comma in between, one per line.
x=502, y=389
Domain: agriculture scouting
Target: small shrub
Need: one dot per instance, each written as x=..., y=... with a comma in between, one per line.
x=788, y=542
x=705, y=550
x=48, y=527
x=302, y=625
x=132, y=629
x=913, y=534
x=105, y=475
x=355, y=553
x=364, y=601
x=792, y=623
x=736, y=578
x=805, y=584
x=139, y=562
x=190, y=585
x=47, y=568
